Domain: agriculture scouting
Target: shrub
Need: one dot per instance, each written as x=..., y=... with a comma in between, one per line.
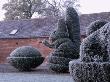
x=65, y=40
x=95, y=26
x=25, y=58
x=94, y=62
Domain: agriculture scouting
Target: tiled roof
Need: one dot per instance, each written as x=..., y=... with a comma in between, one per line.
x=86, y=19
x=27, y=28
x=44, y=26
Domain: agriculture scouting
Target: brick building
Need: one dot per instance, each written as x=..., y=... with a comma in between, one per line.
x=31, y=32
x=22, y=33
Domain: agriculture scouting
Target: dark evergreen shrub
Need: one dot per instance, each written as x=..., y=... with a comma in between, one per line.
x=58, y=67
x=90, y=72
x=95, y=26
x=65, y=40
x=25, y=58
x=73, y=26
x=94, y=62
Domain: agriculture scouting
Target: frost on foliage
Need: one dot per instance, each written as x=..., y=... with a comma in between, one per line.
x=94, y=63
x=65, y=41
x=95, y=26
x=96, y=43
x=25, y=58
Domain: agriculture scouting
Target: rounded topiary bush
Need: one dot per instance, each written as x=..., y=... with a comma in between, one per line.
x=25, y=58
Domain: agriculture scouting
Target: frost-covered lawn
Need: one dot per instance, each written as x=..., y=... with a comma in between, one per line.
x=29, y=77
x=40, y=74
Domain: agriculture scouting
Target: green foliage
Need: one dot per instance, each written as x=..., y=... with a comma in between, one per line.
x=60, y=68
x=73, y=26
x=58, y=34
x=25, y=58
x=95, y=45
x=90, y=71
x=94, y=62
x=59, y=60
x=25, y=63
x=95, y=26
x=25, y=51
x=65, y=40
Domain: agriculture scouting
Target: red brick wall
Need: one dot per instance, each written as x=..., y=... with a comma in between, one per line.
x=8, y=45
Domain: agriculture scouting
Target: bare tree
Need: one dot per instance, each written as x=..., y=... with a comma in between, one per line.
x=57, y=7
x=24, y=9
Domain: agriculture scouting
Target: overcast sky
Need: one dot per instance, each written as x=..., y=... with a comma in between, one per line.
x=94, y=6
x=87, y=6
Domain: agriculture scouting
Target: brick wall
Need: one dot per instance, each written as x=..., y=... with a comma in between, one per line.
x=8, y=45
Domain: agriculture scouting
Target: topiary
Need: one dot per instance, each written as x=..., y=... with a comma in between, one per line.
x=25, y=58
x=93, y=45
x=25, y=51
x=95, y=25
x=94, y=62
x=65, y=47
x=73, y=26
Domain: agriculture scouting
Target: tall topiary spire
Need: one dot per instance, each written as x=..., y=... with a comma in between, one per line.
x=73, y=26
x=65, y=42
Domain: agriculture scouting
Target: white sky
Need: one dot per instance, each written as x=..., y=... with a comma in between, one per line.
x=94, y=6
x=87, y=6
x=2, y=11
